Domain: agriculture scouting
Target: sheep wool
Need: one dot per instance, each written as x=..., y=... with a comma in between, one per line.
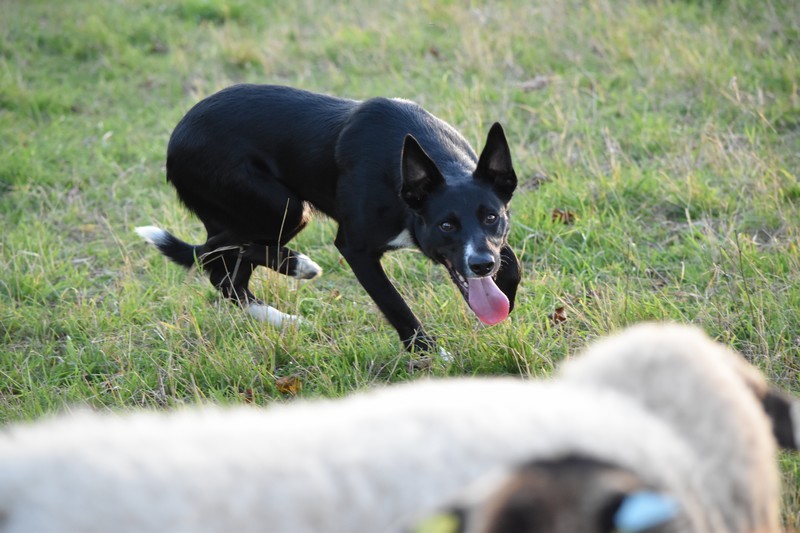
x=657, y=408
x=372, y=462
x=710, y=395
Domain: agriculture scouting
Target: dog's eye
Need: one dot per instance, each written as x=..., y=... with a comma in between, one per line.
x=491, y=218
x=447, y=226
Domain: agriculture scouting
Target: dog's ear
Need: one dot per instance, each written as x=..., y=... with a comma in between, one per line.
x=494, y=165
x=420, y=174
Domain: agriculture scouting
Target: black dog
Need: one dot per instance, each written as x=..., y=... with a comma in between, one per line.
x=253, y=161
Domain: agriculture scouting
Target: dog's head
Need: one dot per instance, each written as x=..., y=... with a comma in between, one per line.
x=462, y=222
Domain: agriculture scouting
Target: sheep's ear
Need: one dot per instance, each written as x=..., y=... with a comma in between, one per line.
x=642, y=510
x=784, y=413
x=782, y=409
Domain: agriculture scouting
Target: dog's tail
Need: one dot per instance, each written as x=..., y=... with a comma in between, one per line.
x=168, y=244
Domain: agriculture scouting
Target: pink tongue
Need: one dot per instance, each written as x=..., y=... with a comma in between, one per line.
x=487, y=301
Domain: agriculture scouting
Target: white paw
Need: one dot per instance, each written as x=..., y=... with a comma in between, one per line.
x=445, y=356
x=272, y=316
x=306, y=268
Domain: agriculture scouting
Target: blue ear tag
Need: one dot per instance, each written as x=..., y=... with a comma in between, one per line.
x=642, y=510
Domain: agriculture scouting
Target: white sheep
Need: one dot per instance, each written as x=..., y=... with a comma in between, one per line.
x=375, y=461
x=710, y=397
x=372, y=462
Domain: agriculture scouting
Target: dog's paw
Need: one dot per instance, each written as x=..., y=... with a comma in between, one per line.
x=305, y=268
x=425, y=361
x=270, y=315
x=444, y=355
x=421, y=343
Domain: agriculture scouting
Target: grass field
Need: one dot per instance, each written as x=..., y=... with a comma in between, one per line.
x=667, y=131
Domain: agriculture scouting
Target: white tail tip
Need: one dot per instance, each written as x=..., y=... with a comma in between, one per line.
x=152, y=234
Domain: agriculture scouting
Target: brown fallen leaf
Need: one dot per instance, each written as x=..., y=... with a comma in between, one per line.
x=289, y=384
x=421, y=363
x=563, y=216
x=247, y=395
x=559, y=316
x=535, y=181
x=536, y=83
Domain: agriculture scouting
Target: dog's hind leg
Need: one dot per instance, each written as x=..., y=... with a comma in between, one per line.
x=283, y=260
x=272, y=251
x=229, y=271
x=249, y=221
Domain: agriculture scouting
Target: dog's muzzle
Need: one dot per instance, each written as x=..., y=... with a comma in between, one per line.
x=483, y=296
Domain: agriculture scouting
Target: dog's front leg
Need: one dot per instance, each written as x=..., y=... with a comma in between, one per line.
x=509, y=275
x=367, y=267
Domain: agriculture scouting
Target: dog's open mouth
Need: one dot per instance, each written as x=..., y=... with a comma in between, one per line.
x=485, y=299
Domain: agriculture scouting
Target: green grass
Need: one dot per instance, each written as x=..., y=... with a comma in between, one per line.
x=671, y=129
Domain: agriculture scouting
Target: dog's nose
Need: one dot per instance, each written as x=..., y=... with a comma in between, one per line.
x=481, y=266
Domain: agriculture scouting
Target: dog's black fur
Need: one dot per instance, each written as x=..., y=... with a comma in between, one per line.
x=252, y=160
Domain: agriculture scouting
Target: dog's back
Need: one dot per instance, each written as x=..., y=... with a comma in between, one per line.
x=306, y=141
x=380, y=125
x=288, y=134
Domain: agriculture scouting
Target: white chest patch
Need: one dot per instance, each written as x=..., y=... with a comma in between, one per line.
x=402, y=240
